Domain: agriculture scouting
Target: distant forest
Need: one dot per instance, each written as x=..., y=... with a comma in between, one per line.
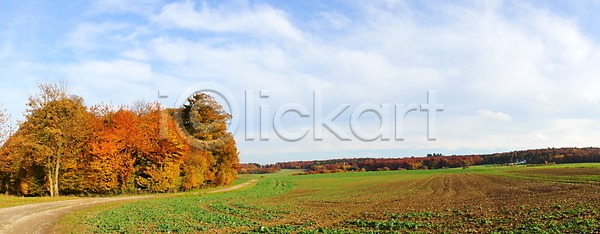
x=63, y=147
x=434, y=161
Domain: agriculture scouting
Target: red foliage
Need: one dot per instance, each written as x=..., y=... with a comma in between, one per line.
x=252, y=168
x=536, y=156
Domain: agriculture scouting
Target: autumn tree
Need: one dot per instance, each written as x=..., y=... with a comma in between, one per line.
x=111, y=155
x=5, y=127
x=7, y=160
x=226, y=160
x=194, y=169
x=160, y=158
x=205, y=120
x=63, y=147
x=131, y=151
x=17, y=170
x=52, y=138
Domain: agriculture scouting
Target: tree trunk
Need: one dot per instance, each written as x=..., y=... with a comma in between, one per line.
x=51, y=183
x=53, y=173
x=56, y=170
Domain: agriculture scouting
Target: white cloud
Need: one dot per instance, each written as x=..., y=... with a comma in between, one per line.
x=142, y=7
x=137, y=54
x=331, y=19
x=172, y=52
x=90, y=36
x=114, y=70
x=477, y=57
x=543, y=98
x=534, y=64
x=588, y=97
x=263, y=20
x=494, y=115
x=120, y=82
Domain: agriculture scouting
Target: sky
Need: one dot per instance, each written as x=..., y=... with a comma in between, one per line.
x=510, y=75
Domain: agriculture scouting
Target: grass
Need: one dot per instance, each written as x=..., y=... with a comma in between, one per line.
x=544, y=199
x=9, y=201
x=185, y=213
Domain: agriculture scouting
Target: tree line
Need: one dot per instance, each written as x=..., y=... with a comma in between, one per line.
x=381, y=164
x=438, y=161
x=551, y=155
x=63, y=147
x=255, y=168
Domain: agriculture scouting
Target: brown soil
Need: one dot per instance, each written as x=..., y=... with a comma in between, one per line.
x=560, y=171
x=458, y=196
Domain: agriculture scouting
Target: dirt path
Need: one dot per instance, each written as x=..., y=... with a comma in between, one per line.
x=41, y=217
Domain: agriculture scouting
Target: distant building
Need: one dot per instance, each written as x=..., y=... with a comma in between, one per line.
x=519, y=162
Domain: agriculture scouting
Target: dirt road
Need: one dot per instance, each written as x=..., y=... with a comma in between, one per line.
x=41, y=217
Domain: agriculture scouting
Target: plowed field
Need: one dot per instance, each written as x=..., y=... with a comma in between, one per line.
x=553, y=199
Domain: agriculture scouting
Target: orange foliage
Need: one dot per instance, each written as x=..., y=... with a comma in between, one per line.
x=121, y=150
x=64, y=147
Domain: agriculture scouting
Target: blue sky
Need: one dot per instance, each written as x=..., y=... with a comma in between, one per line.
x=510, y=74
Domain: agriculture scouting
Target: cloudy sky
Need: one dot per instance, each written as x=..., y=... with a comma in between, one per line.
x=510, y=74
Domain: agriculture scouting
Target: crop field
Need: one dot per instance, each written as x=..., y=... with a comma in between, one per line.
x=483, y=199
